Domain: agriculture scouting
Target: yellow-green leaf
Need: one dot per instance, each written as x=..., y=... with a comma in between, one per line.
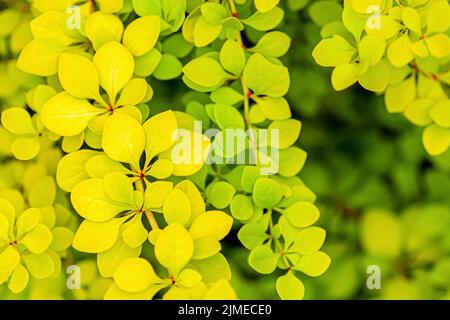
x=142, y=34
x=123, y=139
x=133, y=93
x=314, y=265
x=18, y=121
x=40, y=57
x=66, y=115
x=135, y=275
x=174, y=248
x=38, y=239
x=134, y=233
x=157, y=193
x=40, y=265
x=19, y=279
x=159, y=132
x=177, y=208
x=115, y=65
x=91, y=202
x=101, y=28
x=289, y=287
x=436, y=139
x=94, y=237
x=213, y=224
x=78, y=76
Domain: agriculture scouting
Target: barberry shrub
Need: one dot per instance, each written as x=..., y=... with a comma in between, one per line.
x=155, y=188
x=400, y=48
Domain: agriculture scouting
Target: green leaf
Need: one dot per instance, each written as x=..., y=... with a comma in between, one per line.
x=146, y=64
x=177, y=46
x=273, y=44
x=249, y=176
x=252, y=235
x=205, y=33
x=212, y=224
x=161, y=169
x=274, y=108
x=168, y=68
x=333, y=52
x=266, y=78
x=102, y=28
x=324, y=12
x=241, y=207
x=205, y=247
x=411, y=19
x=301, y=214
x=292, y=161
x=232, y=57
x=314, y=265
x=264, y=21
x=213, y=268
x=25, y=148
x=205, y=72
x=226, y=95
x=344, y=76
x=288, y=131
x=265, y=5
x=228, y=117
x=263, y=259
x=308, y=241
x=220, y=194
x=267, y=193
x=214, y=13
